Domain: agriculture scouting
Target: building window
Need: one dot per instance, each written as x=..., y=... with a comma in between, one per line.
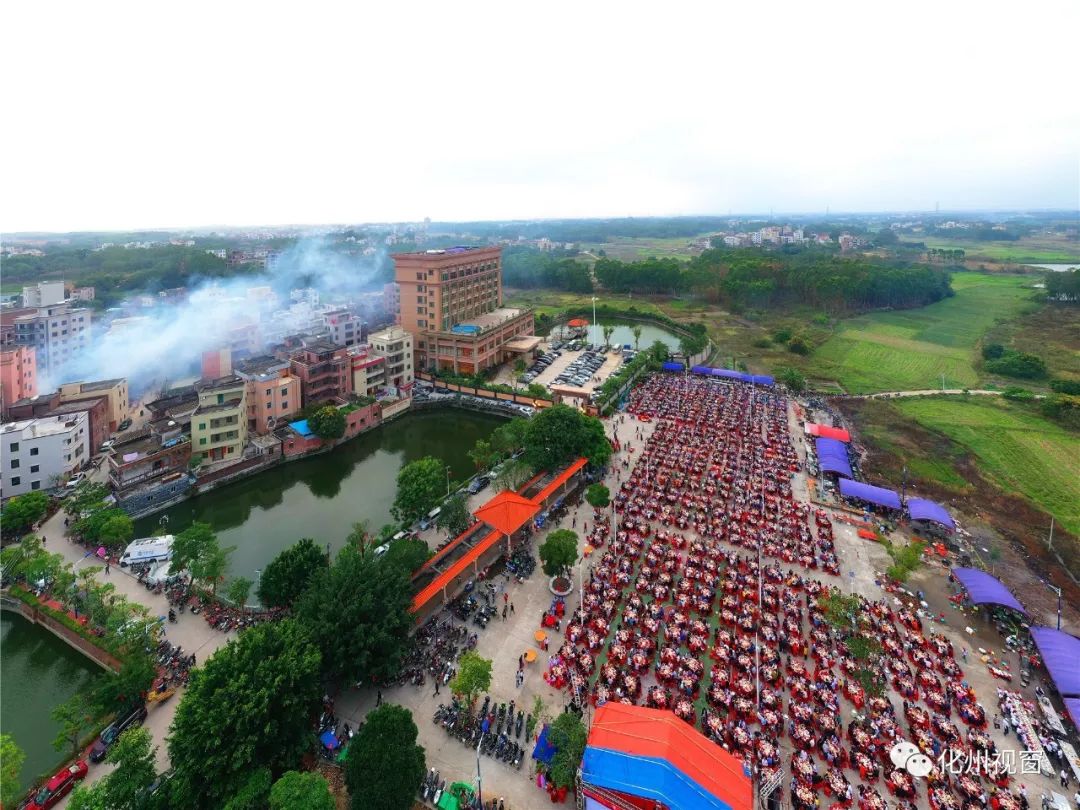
x=13, y=447
x=34, y=468
x=15, y=481
x=269, y=405
x=202, y=440
x=35, y=485
x=14, y=464
x=202, y=425
x=269, y=391
x=284, y=404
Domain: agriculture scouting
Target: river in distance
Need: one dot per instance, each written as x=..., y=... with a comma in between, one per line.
x=322, y=497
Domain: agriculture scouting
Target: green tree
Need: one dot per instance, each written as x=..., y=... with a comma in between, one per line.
x=408, y=553
x=96, y=518
x=660, y=352
x=782, y=335
x=296, y=790
x=473, y=676
x=798, y=345
x=484, y=455
x=249, y=706
x=635, y=330
x=238, y=591
x=568, y=735
x=74, y=717
x=113, y=691
x=124, y=788
x=455, y=516
x=117, y=531
x=792, y=378
x=559, y=434
x=290, y=573
x=358, y=615
x=421, y=485
x=992, y=351
x=22, y=512
x=598, y=496
x=211, y=565
x=559, y=552
x=11, y=762
x=87, y=495
x=255, y=793
x=608, y=331
x=191, y=544
x=537, y=391
x=384, y=766
x=513, y=474
x=519, y=366
x=327, y=423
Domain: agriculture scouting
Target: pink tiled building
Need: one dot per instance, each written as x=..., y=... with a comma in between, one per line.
x=18, y=375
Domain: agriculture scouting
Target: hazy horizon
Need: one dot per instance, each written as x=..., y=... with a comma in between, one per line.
x=133, y=117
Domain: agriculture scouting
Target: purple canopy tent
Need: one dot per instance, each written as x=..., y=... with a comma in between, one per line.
x=1060, y=652
x=870, y=494
x=1072, y=706
x=839, y=466
x=832, y=457
x=762, y=379
x=922, y=509
x=728, y=374
x=984, y=589
x=701, y=370
x=673, y=367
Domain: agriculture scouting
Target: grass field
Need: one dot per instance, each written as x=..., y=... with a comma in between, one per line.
x=634, y=249
x=1043, y=249
x=1015, y=448
x=912, y=349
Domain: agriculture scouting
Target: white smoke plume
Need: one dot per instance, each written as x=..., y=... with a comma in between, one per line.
x=166, y=342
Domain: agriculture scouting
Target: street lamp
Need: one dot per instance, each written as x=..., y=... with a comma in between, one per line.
x=479, y=788
x=594, y=310
x=448, y=481
x=1056, y=590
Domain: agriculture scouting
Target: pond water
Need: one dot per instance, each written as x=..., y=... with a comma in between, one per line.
x=38, y=672
x=1057, y=268
x=322, y=497
x=622, y=336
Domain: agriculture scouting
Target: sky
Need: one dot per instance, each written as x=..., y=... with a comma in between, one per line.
x=155, y=115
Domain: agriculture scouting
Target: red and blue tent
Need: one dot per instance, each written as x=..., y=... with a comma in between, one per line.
x=639, y=753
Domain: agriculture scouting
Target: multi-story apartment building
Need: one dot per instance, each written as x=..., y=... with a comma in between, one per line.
x=451, y=303
x=18, y=375
x=141, y=459
x=219, y=425
x=115, y=390
x=395, y=346
x=7, y=323
x=39, y=454
x=368, y=371
x=345, y=327
x=43, y=294
x=58, y=333
x=324, y=370
x=42, y=405
x=391, y=299
x=273, y=393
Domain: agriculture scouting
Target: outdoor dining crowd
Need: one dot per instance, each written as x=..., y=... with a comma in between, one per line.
x=677, y=613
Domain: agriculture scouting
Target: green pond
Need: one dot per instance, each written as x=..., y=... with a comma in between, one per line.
x=622, y=336
x=322, y=497
x=38, y=671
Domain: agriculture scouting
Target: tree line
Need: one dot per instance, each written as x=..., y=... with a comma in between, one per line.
x=1064, y=287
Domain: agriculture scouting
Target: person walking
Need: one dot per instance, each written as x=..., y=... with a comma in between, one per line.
x=436, y=693
x=504, y=612
x=511, y=608
x=106, y=567
x=378, y=697
x=1064, y=778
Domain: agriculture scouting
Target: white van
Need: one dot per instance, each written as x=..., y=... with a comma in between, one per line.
x=148, y=549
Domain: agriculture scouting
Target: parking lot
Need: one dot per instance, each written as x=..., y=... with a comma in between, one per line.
x=585, y=369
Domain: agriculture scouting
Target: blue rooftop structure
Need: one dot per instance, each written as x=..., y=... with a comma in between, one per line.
x=302, y=428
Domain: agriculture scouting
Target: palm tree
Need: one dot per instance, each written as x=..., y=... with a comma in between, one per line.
x=608, y=331
x=635, y=330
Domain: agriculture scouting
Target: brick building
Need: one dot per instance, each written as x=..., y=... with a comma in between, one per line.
x=273, y=393
x=451, y=302
x=51, y=405
x=18, y=375
x=323, y=368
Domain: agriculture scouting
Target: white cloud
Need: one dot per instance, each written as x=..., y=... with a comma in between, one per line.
x=139, y=115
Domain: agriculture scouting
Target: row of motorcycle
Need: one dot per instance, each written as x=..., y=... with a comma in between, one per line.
x=433, y=787
x=495, y=730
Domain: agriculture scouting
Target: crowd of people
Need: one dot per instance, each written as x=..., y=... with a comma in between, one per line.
x=705, y=601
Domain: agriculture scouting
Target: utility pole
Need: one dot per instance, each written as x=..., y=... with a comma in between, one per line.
x=943, y=382
x=903, y=487
x=1050, y=540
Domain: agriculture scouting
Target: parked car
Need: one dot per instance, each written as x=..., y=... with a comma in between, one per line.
x=50, y=794
x=478, y=484
x=124, y=425
x=75, y=480
x=112, y=732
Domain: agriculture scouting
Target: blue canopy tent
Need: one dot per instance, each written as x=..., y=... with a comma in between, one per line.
x=701, y=370
x=833, y=457
x=984, y=589
x=1060, y=652
x=1072, y=706
x=728, y=374
x=543, y=750
x=922, y=509
x=871, y=494
x=673, y=367
x=762, y=379
x=328, y=739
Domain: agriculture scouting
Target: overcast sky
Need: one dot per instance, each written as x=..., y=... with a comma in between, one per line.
x=137, y=115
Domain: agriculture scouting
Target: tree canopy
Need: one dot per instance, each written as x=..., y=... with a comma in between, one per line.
x=22, y=512
x=249, y=706
x=328, y=422
x=473, y=676
x=568, y=735
x=598, y=495
x=125, y=786
x=357, y=612
x=408, y=553
x=559, y=434
x=421, y=484
x=384, y=766
x=455, y=516
x=288, y=575
x=295, y=790
x=11, y=761
x=558, y=552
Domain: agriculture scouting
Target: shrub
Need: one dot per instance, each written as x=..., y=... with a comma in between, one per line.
x=1017, y=393
x=782, y=335
x=1018, y=364
x=799, y=345
x=1071, y=387
x=762, y=343
x=992, y=351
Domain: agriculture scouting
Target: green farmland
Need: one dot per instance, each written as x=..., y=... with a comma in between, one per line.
x=912, y=349
x=1015, y=448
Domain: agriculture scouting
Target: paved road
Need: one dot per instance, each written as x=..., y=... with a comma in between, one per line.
x=931, y=392
x=190, y=632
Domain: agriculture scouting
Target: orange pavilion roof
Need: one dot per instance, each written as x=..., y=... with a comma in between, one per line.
x=507, y=512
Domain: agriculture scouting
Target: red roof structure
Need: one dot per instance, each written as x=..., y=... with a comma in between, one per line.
x=507, y=512
x=576, y=323
x=826, y=432
x=651, y=753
